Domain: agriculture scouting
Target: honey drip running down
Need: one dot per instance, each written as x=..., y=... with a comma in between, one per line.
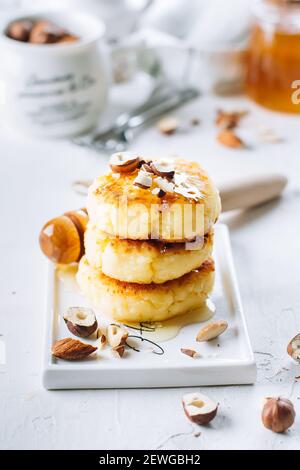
x=169, y=329
x=273, y=67
x=66, y=274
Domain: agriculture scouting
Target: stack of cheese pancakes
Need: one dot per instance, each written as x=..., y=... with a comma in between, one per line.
x=149, y=240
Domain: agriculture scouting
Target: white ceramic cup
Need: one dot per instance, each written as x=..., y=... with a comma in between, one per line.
x=56, y=90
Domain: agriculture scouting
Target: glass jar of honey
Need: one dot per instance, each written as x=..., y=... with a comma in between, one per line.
x=273, y=76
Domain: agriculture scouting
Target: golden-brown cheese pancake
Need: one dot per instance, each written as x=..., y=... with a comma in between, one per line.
x=122, y=209
x=132, y=302
x=144, y=262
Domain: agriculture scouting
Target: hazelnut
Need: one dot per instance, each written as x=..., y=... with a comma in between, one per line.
x=124, y=162
x=163, y=168
x=278, y=414
x=20, y=30
x=116, y=335
x=199, y=408
x=81, y=321
x=293, y=348
x=45, y=32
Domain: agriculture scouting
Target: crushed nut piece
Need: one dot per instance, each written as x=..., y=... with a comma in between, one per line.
x=102, y=339
x=164, y=184
x=158, y=192
x=163, y=168
x=116, y=335
x=168, y=125
x=189, y=352
x=118, y=351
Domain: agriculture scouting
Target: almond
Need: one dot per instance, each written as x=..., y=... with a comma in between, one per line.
x=72, y=349
x=212, y=330
x=230, y=139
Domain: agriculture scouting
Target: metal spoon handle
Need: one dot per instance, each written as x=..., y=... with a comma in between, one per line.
x=178, y=98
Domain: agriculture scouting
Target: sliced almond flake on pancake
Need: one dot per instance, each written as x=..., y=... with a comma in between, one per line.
x=164, y=184
x=143, y=180
x=188, y=186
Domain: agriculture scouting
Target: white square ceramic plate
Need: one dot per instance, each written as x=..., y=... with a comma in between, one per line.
x=226, y=360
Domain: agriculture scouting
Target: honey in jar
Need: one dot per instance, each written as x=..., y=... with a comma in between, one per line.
x=273, y=76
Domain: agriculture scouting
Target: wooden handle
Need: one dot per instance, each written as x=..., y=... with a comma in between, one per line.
x=251, y=191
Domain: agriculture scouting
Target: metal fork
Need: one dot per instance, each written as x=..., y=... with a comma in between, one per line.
x=118, y=137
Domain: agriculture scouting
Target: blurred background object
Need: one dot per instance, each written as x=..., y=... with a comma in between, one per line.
x=245, y=46
x=274, y=55
x=55, y=90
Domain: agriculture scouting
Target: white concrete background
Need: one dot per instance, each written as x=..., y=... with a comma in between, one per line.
x=35, y=185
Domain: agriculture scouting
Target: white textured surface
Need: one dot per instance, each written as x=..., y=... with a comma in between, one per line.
x=35, y=185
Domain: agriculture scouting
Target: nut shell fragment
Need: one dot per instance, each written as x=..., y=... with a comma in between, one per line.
x=81, y=321
x=72, y=349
